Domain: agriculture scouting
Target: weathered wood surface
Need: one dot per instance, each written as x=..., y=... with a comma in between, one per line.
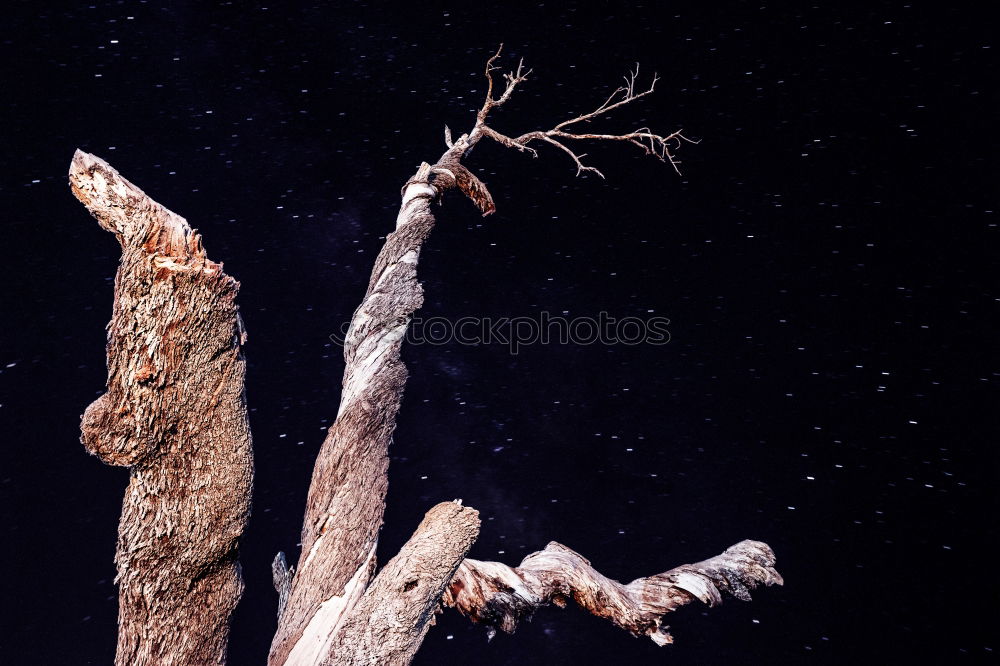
x=390, y=621
x=175, y=414
x=500, y=596
x=346, y=499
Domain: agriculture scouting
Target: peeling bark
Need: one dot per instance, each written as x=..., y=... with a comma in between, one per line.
x=499, y=596
x=175, y=414
x=346, y=498
x=347, y=494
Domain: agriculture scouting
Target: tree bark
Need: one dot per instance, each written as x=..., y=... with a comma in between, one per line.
x=499, y=596
x=346, y=500
x=175, y=414
x=390, y=621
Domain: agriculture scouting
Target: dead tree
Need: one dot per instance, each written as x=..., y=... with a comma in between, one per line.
x=175, y=414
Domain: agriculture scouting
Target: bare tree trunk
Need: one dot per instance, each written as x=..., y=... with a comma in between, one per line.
x=347, y=495
x=175, y=414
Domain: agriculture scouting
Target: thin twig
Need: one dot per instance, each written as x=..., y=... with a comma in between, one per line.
x=660, y=146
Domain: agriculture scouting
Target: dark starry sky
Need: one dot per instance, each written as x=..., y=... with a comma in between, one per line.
x=828, y=263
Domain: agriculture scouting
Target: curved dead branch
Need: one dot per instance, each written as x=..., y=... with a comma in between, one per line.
x=499, y=596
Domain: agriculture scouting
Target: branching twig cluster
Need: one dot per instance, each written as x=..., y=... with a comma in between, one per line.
x=512, y=79
x=660, y=146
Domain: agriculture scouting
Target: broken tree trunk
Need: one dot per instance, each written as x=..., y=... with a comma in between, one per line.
x=390, y=621
x=346, y=498
x=175, y=414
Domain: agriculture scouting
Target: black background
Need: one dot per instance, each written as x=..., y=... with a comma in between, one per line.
x=827, y=261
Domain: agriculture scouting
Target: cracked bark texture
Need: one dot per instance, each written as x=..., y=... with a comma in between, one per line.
x=346, y=500
x=390, y=621
x=500, y=596
x=174, y=413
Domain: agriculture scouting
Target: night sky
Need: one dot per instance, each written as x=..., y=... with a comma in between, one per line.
x=827, y=260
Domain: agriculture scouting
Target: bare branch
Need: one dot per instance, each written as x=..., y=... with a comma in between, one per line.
x=628, y=95
x=576, y=158
x=506, y=140
x=660, y=146
x=512, y=79
x=499, y=596
x=489, y=75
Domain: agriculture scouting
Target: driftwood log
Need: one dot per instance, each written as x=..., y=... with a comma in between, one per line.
x=175, y=414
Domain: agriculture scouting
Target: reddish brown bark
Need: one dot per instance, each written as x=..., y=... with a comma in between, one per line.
x=175, y=414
